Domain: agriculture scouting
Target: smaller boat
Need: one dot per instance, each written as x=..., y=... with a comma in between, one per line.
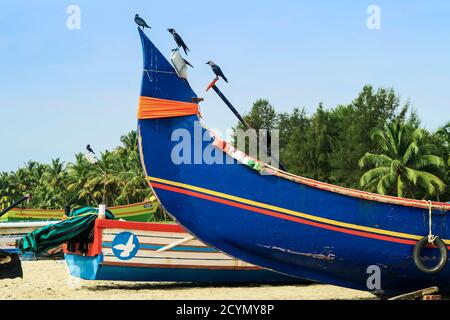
x=142, y=212
x=130, y=251
x=16, y=222
x=10, y=232
x=10, y=265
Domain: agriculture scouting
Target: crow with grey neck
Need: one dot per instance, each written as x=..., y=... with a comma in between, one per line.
x=179, y=41
x=141, y=22
x=218, y=72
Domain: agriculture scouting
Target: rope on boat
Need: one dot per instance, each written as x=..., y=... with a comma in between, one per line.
x=156, y=71
x=159, y=71
x=431, y=238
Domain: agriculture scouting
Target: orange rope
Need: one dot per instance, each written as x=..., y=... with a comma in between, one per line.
x=153, y=108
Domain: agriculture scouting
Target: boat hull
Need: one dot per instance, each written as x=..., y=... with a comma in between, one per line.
x=302, y=231
x=270, y=218
x=165, y=252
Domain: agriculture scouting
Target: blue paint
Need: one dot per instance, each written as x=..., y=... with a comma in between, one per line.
x=125, y=246
x=83, y=267
x=278, y=244
x=90, y=268
x=10, y=250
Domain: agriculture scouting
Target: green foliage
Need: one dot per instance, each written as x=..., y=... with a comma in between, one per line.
x=406, y=164
x=80, y=183
x=374, y=143
x=329, y=144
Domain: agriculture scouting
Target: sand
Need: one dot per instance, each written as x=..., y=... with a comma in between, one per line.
x=46, y=280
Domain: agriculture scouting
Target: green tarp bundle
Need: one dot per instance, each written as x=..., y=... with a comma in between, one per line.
x=77, y=228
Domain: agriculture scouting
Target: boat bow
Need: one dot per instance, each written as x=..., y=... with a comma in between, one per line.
x=279, y=221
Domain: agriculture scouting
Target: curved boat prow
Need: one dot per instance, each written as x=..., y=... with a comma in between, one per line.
x=159, y=74
x=279, y=221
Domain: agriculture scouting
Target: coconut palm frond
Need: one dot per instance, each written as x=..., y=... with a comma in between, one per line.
x=374, y=174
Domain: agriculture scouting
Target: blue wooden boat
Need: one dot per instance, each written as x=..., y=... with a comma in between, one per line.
x=137, y=251
x=274, y=219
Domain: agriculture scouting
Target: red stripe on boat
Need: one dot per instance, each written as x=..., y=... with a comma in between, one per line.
x=283, y=216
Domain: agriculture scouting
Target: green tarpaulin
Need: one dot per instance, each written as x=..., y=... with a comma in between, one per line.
x=77, y=228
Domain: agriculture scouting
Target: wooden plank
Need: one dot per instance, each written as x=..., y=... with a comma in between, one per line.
x=417, y=294
x=432, y=297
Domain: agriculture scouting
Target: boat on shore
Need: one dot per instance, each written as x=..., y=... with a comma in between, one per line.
x=133, y=251
x=17, y=222
x=139, y=212
x=277, y=220
x=10, y=232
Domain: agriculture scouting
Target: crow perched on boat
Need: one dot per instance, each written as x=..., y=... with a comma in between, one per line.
x=141, y=22
x=218, y=72
x=88, y=148
x=179, y=41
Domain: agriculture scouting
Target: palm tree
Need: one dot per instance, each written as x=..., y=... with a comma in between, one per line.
x=132, y=184
x=79, y=174
x=5, y=197
x=443, y=135
x=80, y=183
x=56, y=178
x=406, y=165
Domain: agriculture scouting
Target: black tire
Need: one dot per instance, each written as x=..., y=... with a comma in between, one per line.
x=442, y=261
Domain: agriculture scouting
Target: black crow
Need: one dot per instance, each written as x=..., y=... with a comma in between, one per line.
x=88, y=148
x=178, y=40
x=216, y=69
x=141, y=22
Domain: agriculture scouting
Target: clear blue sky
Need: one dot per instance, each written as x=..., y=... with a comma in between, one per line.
x=61, y=89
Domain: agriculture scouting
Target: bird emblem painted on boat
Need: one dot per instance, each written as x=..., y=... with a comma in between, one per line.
x=126, y=248
x=125, y=245
x=141, y=22
x=179, y=41
x=217, y=71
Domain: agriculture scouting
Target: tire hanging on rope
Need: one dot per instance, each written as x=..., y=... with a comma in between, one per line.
x=432, y=240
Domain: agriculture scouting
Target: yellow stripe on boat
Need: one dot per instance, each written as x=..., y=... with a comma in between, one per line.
x=288, y=211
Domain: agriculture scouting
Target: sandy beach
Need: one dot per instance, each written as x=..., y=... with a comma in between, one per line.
x=50, y=280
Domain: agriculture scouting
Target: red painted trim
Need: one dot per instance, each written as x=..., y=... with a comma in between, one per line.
x=283, y=216
x=332, y=188
x=367, y=195
x=96, y=248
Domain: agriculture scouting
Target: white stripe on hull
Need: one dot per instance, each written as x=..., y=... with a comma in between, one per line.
x=175, y=262
x=175, y=254
x=157, y=240
x=177, y=235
